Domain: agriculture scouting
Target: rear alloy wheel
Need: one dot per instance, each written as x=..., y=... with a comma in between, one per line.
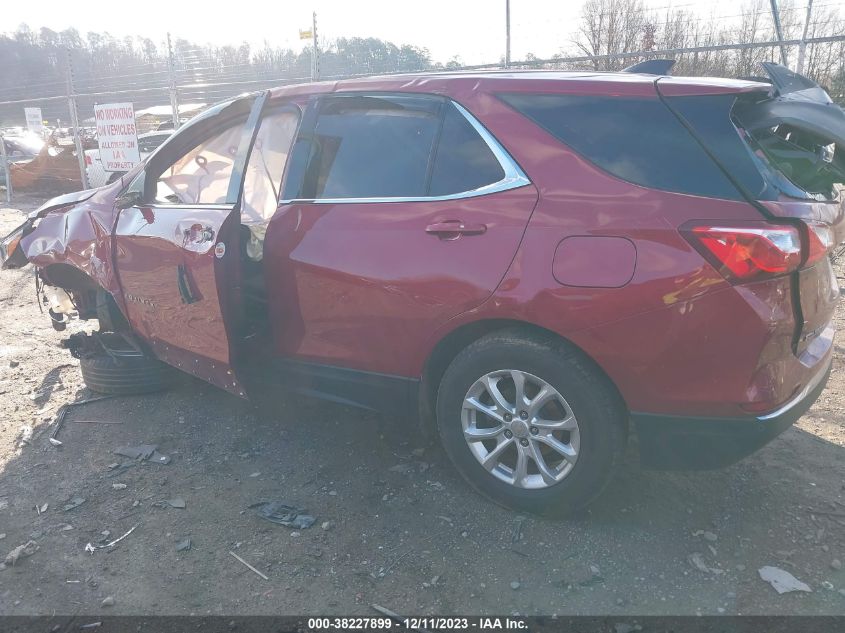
x=520, y=429
x=530, y=422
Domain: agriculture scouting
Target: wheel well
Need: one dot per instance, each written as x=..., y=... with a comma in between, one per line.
x=91, y=299
x=457, y=340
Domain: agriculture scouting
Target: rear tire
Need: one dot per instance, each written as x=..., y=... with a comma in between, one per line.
x=582, y=399
x=125, y=372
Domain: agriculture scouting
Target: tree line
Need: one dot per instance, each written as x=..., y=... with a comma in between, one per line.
x=35, y=62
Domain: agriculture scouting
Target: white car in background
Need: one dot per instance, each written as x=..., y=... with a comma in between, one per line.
x=97, y=176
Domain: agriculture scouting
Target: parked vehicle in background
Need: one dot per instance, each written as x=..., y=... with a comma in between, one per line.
x=20, y=149
x=97, y=176
x=529, y=263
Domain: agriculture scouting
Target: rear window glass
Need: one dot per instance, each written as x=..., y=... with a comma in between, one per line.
x=463, y=162
x=636, y=139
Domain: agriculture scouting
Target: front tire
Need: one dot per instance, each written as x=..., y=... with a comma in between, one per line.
x=530, y=422
x=119, y=369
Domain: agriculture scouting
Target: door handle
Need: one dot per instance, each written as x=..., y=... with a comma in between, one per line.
x=453, y=229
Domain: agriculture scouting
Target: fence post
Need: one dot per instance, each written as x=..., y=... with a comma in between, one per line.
x=174, y=96
x=315, y=70
x=6, y=170
x=74, y=121
x=802, y=47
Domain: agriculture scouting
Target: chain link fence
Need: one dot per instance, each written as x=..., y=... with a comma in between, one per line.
x=173, y=82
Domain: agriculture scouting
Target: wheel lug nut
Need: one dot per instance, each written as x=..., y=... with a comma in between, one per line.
x=524, y=442
x=508, y=417
x=534, y=430
x=523, y=415
x=508, y=434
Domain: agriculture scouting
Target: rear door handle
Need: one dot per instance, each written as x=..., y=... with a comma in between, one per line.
x=453, y=229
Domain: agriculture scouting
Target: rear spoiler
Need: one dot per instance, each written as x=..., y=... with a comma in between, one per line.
x=798, y=102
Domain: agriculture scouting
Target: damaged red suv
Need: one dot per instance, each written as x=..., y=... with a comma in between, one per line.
x=531, y=263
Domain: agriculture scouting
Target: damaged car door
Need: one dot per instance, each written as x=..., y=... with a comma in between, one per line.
x=176, y=242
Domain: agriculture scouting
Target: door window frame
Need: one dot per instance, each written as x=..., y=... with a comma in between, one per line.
x=514, y=177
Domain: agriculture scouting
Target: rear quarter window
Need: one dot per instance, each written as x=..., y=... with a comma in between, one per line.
x=636, y=139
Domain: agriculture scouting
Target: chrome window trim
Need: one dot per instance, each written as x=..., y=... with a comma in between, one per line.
x=514, y=176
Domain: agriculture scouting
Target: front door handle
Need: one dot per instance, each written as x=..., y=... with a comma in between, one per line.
x=453, y=229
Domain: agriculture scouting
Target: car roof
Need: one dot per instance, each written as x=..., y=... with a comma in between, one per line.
x=587, y=82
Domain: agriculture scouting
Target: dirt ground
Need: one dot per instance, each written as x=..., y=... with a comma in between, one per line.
x=394, y=527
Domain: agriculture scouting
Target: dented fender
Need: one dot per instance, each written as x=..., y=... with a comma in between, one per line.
x=75, y=230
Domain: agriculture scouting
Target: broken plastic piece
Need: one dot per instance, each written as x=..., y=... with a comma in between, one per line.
x=283, y=514
x=782, y=580
x=73, y=502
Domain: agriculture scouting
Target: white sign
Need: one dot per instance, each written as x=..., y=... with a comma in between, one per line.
x=33, y=120
x=117, y=136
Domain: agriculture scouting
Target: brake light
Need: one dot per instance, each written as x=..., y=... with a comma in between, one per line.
x=748, y=252
x=87, y=159
x=820, y=241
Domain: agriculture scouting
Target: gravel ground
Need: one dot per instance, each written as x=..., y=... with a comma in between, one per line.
x=395, y=526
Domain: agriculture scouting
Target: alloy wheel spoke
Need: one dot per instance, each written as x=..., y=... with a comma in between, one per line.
x=475, y=434
x=491, y=460
x=545, y=471
x=476, y=404
x=521, y=470
x=567, y=424
x=491, y=384
x=566, y=450
x=545, y=395
x=519, y=389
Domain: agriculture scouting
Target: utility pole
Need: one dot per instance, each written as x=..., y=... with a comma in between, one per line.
x=802, y=47
x=315, y=53
x=507, y=33
x=74, y=121
x=6, y=169
x=778, y=30
x=174, y=96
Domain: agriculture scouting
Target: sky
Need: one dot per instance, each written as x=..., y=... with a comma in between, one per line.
x=472, y=29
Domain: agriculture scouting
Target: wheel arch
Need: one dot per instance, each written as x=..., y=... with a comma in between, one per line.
x=456, y=340
x=97, y=302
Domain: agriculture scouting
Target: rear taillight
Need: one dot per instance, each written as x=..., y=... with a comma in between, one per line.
x=748, y=251
x=87, y=159
x=753, y=250
x=820, y=241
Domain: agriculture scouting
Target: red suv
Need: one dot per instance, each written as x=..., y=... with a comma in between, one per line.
x=534, y=262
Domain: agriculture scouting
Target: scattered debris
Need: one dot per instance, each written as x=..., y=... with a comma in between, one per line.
x=21, y=551
x=392, y=615
x=782, y=580
x=248, y=565
x=697, y=560
x=108, y=601
x=119, y=486
x=624, y=627
x=42, y=508
x=283, y=514
x=93, y=548
x=183, y=546
x=710, y=536
x=516, y=535
x=836, y=564
x=73, y=502
x=60, y=416
x=327, y=525
x=175, y=502
x=91, y=625
x=143, y=452
x=255, y=474
x=515, y=585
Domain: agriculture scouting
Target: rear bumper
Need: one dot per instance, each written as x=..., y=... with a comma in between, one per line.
x=697, y=443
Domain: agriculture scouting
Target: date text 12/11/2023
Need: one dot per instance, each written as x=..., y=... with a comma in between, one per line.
x=429, y=623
